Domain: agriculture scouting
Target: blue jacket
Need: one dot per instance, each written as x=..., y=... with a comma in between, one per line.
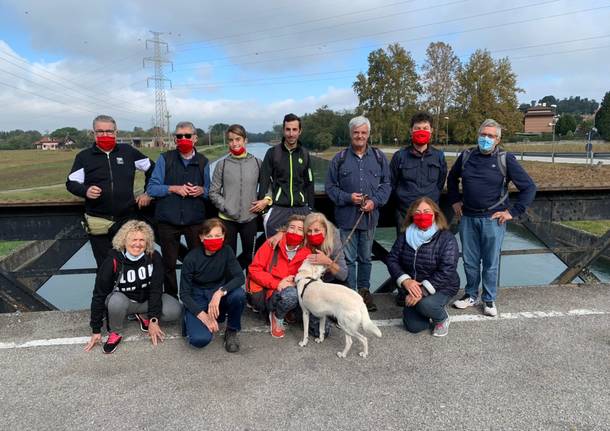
x=366, y=175
x=482, y=184
x=414, y=175
x=435, y=261
x=172, y=169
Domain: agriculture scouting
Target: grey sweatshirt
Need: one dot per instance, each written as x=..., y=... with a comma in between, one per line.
x=234, y=186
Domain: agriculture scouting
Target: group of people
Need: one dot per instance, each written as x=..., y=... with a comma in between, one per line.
x=135, y=280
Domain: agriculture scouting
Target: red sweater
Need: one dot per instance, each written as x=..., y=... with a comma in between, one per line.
x=258, y=271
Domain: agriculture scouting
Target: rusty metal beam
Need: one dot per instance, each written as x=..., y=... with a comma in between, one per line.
x=584, y=261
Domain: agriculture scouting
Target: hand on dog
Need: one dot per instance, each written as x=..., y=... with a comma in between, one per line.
x=319, y=258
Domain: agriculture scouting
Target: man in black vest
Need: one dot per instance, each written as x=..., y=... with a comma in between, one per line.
x=179, y=183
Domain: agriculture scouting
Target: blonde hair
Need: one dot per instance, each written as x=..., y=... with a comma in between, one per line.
x=328, y=244
x=119, y=242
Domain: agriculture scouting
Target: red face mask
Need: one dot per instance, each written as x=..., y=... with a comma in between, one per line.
x=293, y=239
x=423, y=221
x=213, y=244
x=421, y=137
x=316, y=239
x=238, y=152
x=106, y=143
x=185, y=146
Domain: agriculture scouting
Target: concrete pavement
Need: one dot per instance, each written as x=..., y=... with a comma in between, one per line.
x=542, y=365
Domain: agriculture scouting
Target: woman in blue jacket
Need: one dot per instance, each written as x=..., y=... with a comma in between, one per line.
x=423, y=262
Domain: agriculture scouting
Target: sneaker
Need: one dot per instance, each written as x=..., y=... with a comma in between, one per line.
x=489, y=309
x=368, y=299
x=112, y=342
x=231, y=341
x=277, y=326
x=441, y=328
x=465, y=302
x=143, y=322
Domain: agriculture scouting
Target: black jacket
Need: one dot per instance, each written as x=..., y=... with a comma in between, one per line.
x=414, y=175
x=200, y=271
x=146, y=285
x=435, y=261
x=113, y=173
x=290, y=175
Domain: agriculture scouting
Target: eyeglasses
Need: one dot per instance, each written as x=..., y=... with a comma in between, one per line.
x=488, y=135
x=183, y=135
x=105, y=132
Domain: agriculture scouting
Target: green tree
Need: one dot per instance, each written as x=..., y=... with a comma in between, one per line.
x=487, y=88
x=323, y=140
x=565, y=124
x=388, y=93
x=439, y=73
x=602, y=118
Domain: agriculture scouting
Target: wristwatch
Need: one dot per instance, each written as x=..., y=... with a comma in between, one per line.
x=223, y=290
x=154, y=320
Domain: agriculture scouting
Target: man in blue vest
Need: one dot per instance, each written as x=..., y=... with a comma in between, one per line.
x=179, y=183
x=484, y=208
x=417, y=170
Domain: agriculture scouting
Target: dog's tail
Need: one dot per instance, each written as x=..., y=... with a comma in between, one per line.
x=367, y=324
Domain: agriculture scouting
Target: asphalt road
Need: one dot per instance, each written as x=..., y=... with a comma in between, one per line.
x=544, y=364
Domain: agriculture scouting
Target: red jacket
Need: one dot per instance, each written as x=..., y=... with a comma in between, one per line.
x=258, y=271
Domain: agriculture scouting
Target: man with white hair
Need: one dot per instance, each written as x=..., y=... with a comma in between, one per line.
x=484, y=208
x=358, y=182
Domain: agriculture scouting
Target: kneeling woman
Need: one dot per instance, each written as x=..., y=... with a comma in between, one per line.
x=130, y=281
x=210, y=289
x=423, y=262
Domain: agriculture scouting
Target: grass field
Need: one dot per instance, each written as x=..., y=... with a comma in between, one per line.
x=7, y=247
x=45, y=173
x=597, y=227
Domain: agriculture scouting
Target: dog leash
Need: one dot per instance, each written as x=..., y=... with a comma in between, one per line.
x=349, y=237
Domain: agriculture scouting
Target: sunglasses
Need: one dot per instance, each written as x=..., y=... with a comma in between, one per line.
x=183, y=135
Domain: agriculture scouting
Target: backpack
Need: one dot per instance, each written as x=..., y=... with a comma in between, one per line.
x=378, y=155
x=501, y=155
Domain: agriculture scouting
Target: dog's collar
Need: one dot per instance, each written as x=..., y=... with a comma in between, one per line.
x=311, y=280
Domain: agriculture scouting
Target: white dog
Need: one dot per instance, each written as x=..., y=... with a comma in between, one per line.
x=326, y=299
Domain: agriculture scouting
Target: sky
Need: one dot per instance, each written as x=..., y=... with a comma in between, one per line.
x=250, y=62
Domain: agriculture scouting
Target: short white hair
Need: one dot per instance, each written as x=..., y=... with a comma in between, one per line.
x=492, y=123
x=358, y=121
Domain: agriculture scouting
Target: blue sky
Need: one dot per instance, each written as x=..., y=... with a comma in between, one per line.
x=250, y=62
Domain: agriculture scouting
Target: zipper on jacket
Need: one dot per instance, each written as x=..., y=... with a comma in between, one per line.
x=111, y=186
x=414, y=262
x=279, y=191
x=291, y=193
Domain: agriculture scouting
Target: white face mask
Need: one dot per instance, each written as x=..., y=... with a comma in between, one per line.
x=131, y=257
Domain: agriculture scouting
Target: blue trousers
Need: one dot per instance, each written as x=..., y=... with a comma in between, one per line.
x=231, y=307
x=359, y=249
x=417, y=319
x=481, y=240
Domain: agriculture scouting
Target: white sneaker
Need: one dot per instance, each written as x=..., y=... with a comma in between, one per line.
x=489, y=309
x=465, y=302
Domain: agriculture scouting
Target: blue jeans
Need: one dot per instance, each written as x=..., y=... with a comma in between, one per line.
x=358, y=249
x=231, y=307
x=481, y=240
x=283, y=301
x=417, y=319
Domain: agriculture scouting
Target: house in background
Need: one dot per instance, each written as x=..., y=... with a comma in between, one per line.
x=538, y=119
x=46, y=143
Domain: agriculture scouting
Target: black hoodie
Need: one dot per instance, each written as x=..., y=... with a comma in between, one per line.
x=140, y=280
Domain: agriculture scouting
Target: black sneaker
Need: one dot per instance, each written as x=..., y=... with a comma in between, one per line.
x=143, y=322
x=231, y=341
x=112, y=342
x=368, y=299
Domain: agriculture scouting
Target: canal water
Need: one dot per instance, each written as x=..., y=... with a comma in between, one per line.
x=73, y=292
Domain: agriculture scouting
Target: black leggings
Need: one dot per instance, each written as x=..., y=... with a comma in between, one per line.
x=247, y=232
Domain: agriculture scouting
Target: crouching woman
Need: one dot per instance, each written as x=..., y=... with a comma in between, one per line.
x=211, y=289
x=423, y=262
x=130, y=281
